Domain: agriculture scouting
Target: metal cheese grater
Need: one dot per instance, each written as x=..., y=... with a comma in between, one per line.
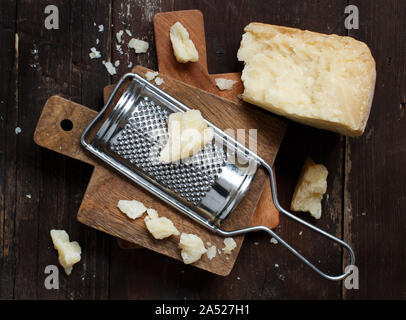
x=206, y=187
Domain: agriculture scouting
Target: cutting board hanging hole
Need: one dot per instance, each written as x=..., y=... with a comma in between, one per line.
x=66, y=125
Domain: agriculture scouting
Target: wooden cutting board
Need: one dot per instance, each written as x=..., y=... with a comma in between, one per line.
x=106, y=187
x=197, y=74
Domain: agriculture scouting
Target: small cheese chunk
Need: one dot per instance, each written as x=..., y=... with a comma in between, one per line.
x=138, y=45
x=94, y=54
x=110, y=68
x=183, y=48
x=192, y=247
x=311, y=187
x=326, y=81
x=224, y=84
x=119, y=36
x=69, y=252
x=230, y=245
x=132, y=208
x=188, y=134
x=150, y=75
x=159, y=227
x=101, y=28
x=211, y=252
x=159, y=81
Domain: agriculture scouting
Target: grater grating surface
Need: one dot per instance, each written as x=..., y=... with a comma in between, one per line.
x=141, y=141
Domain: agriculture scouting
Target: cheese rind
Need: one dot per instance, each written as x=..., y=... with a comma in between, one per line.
x=311, y=187
x=326, y=81
x=188, y=134
x=192, y=248
x=183, y=48
x=69, y=253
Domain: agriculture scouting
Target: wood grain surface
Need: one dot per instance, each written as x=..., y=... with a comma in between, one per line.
x=366, y=184
x=99, y=205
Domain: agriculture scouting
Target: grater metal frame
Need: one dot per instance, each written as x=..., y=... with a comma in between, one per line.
x=187, y=209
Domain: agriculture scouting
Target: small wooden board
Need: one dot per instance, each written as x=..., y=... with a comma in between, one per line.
x=106, y=187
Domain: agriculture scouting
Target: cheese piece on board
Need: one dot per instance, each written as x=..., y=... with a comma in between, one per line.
x=68, y=252
x=159, y=227
x=326, y=81
x=192, y=247
x=132, y=208
x=309, y=190
x=183, y=48
x=188, y=134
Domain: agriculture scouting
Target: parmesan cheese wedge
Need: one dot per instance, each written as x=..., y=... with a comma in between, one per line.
x=188, y=134
x=326, y=81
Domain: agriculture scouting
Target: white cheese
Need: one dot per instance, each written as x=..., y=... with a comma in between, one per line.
x=326, y=81
x=69, y=252
x=110, y=68
x=132, y=208
x=311, y=187
x=192, y=247
x=224, y=84
x=150, y=75
x=94, y=54
x=183, y=48
x=101, y=28
x=139, y=46
x=230, y=245
x=119, y=36
x=188, y=134
x=211, y=252
x=159, y=227
x=159, y=81
x=128, y=32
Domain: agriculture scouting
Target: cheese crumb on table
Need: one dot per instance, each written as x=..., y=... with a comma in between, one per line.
x=188, y=133
x=132, y=208
x=192, y=247
x=101, y=28
x=274, y=241
x=119, y=36
x=150, y=75
x=110, y=68
x=183, y=48
x=311, y=187
x=230, y=245
x=211, y=252
x=69, y=252
x=159, y=81
x=94, y=54
x=159, y=227
x=128, y=32
x=224, y=84
x=138, y=45
x=17, y=130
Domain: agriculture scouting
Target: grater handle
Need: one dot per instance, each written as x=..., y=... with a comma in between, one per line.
x=287, y=245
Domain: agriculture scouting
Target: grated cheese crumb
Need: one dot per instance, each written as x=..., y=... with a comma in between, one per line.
x=211, y=252
x=119, y=36
x=159, y=81
x=224, y=84
x=110, y=68
x=94, y=54
x=230, y=245
x=138, y=45
x=150, y=75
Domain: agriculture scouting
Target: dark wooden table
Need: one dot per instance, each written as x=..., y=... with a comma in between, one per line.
x=366, y=202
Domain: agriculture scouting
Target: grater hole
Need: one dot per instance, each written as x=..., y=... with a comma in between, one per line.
x=66, y=125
